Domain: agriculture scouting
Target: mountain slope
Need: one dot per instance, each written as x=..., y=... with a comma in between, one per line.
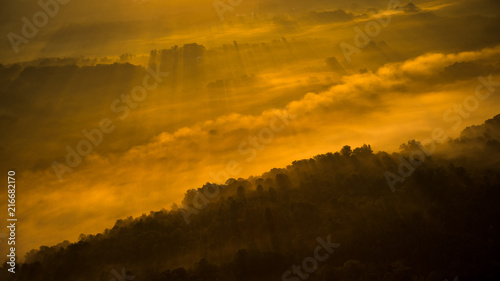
x=441, y=221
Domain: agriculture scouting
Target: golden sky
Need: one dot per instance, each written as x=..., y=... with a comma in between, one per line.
x=267, y=84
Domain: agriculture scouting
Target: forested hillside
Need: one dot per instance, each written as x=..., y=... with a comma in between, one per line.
x=437, y=222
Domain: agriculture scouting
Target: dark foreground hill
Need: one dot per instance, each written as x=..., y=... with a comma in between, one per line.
x=349, y=215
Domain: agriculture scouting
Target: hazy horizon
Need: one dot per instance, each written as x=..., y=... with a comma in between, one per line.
x=233, y=92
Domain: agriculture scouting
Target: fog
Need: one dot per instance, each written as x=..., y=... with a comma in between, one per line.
x=262, y=85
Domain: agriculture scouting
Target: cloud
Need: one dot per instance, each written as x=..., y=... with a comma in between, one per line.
x=331, y=16
x=409, y=8
x=183, y=132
